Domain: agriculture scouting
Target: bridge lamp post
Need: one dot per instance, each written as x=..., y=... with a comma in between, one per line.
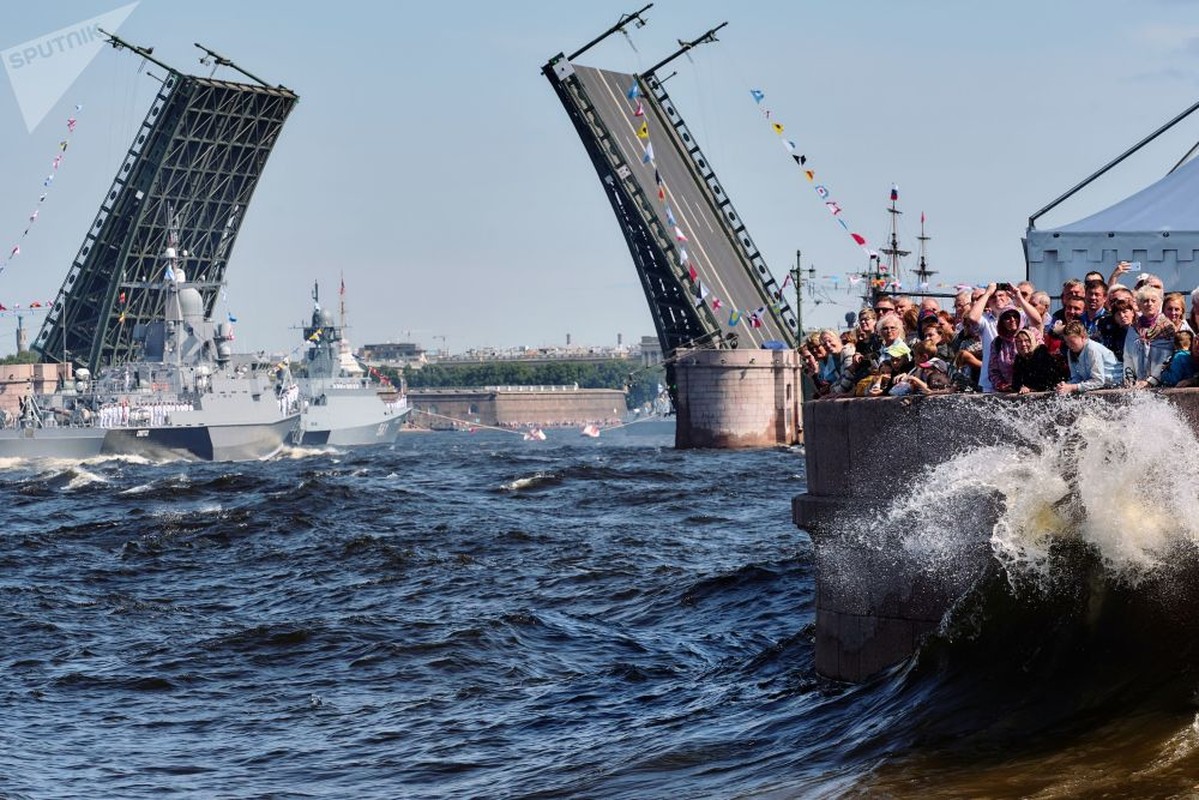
x=797, y=279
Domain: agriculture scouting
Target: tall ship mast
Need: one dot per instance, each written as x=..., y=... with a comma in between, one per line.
x=923, y=273
x=892, y=250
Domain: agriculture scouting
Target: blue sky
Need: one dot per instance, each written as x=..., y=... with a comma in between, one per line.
x=430, y=162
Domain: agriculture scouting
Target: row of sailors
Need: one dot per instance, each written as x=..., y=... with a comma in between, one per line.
x=289, y=399
x=112, y=415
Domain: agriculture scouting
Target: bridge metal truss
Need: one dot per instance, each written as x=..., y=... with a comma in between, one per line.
x=186, y=182
x=771, y=293
x=678, y=319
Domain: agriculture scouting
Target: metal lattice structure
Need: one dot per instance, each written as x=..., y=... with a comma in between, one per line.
x=188, y=178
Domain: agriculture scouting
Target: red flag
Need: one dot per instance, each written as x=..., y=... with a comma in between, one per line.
x=691, y=272
x=859, y=239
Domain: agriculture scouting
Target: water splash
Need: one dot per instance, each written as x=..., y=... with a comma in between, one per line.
x=1110, y=472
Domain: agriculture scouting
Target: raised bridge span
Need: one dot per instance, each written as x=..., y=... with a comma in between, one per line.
x=706, y=283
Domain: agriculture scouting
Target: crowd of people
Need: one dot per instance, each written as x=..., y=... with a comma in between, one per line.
x=1003, y=338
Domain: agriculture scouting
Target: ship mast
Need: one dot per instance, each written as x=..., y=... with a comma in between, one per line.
x=171, y=277
x=341, y=306
x=892, y=251
x=923, y=273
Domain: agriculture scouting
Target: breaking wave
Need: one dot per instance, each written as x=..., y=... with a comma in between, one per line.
x=1111, y=474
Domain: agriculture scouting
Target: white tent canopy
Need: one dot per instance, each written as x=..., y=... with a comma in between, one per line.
x=1158, y=226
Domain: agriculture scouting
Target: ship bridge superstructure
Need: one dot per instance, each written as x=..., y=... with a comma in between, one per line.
x=706, y=283
x=184, y=185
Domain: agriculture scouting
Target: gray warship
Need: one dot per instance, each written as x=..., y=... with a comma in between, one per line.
x=340, y=405
x=39, y=430
x=183, y=398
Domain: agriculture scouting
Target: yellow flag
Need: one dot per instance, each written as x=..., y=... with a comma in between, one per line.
x=778, y=128
x=643, y=131
x=811, y=175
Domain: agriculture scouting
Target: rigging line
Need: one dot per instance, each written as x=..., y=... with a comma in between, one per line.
x=468, y=423
x=651, y=418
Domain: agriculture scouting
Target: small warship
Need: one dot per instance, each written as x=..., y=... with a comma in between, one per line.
x=182, y=397
x=341, y=406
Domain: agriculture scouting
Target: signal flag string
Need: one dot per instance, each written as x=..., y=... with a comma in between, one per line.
x=11, y=253
x=801, y=161
x=699, y=291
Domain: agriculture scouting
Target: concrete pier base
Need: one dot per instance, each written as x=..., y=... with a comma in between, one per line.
x=738, y=398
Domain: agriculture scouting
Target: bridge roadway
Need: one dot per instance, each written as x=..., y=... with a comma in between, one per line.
x=718, y=259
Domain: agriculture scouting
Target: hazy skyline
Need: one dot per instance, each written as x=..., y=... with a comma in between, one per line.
x=430, y=162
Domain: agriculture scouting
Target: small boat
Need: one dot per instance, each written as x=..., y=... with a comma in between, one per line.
x=590, y=429
x=534, y=435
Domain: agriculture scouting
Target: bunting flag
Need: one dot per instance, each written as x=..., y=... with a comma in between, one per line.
x=801, y=161
x=716, y=304
x=637, y=109
x=734, y=318
x=55, y=163
x=19, y=310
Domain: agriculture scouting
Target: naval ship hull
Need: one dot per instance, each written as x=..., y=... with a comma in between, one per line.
x=251, y=441
x=381, y=432
x=347, y=417
x=66, y=442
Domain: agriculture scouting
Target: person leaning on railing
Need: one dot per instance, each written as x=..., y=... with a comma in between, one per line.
x=1149, y=344
x=1092, y=366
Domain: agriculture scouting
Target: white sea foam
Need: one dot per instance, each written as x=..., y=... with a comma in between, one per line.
x=80, y=477
x=1116, y=475
x=526, y=482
